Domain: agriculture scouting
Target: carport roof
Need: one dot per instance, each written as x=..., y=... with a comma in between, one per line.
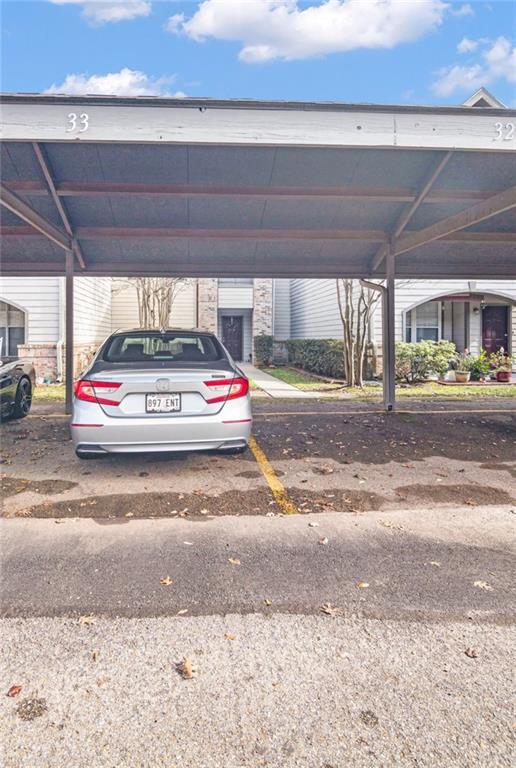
x=239, y=188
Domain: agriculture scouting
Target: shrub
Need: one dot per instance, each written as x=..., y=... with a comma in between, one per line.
x=417, y=362
x=478, y=365
x=322, y=356
x=263, y=349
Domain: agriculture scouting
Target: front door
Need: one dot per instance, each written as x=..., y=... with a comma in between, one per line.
x=232, y=335
x=495, y=328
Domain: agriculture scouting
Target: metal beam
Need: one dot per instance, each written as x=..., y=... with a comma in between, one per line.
x=388, y=324
x=69, y=332
x=409, y=212
x=44, y=164
x=370, y=194
x=365, y=235
x=504, y=201
x=24, y=211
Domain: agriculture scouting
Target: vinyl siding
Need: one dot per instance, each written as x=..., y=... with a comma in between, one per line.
x=235, y=296
x=124, y=306
x=314, y=312
x=281, y=319
x=39, y=298
x=92, y=309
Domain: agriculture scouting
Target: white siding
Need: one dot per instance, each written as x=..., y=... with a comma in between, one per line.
x=281, y=309
x=314, y=312
x=92, y=309
x=124, y=306
x=235, y=296
x=39, y=297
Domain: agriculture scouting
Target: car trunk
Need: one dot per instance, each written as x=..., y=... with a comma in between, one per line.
x=136, y=385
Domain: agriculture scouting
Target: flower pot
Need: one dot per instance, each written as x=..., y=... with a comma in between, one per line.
x=504, y=376
x=462, y=377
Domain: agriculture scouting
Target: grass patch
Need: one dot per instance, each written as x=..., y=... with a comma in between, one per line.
x=54, y=393
x=432, y=389
x=301, y=380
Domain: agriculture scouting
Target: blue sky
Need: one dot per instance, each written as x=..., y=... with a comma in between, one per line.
x=391, y=51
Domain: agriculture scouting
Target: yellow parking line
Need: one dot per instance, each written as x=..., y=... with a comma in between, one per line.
x=463, y=412
x=277, y=488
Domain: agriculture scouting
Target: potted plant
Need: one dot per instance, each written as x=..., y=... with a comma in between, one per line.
x=462, y=373
x=504, y=374
x=478, y=366
x=502, y=364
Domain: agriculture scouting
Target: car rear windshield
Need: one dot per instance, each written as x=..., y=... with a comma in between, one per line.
x=175, y=347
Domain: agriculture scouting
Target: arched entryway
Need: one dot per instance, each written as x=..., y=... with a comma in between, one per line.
x=472, y=320
x=13, y=324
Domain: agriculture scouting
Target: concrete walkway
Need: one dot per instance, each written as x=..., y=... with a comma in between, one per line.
x=277, y=388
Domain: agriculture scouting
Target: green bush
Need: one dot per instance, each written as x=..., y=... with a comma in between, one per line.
x=263, y=349
x=322, y=356
x=417, y=362
x=478, y=365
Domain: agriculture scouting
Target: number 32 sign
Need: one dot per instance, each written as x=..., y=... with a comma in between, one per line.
x=78, y=123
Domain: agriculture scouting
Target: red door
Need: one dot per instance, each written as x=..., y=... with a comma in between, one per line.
x=232, y=335
x=495, y=328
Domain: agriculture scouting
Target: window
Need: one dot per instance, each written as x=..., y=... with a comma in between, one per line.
x=180, y=347
x=423, y=322
x=225, y=282
x=12, y=329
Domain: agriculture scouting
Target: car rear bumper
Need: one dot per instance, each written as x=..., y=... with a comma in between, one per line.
x=95, y=432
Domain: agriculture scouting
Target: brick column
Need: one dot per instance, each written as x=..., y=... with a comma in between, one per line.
x=207, y=303
x=262, y=308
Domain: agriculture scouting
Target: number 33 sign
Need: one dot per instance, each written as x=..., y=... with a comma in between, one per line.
x=78, y=123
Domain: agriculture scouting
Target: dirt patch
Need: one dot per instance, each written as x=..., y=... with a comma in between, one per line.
x=500, y=467
x=473, y=495
x=252, y=474
x=30, y=709
x=10, y=486
x=336, y=500
x=148, y=505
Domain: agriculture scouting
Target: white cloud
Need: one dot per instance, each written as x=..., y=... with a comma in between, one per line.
x=463, y=10
x=285, y=29
x=467, y=46
x=105, y=11
x=497, y=62
x=127, y=82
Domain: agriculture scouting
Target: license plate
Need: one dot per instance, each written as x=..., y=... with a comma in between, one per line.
x=168, y=403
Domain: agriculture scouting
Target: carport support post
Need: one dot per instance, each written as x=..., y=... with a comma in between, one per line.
x=69, y=331
x=388, y=319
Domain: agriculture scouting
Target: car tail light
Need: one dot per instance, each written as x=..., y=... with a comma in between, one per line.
x=96, y=391
x=227, y=389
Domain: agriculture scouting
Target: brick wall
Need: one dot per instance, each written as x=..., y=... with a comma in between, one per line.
x=207, y=303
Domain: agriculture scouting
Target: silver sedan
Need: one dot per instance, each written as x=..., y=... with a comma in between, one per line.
x=166, y=390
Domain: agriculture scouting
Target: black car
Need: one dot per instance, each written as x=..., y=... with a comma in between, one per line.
x=17, y=382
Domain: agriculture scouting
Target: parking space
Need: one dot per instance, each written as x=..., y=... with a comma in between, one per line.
x=307, y=457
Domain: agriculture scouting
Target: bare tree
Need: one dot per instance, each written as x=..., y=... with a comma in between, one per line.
x=356, y=307
x=156, y=296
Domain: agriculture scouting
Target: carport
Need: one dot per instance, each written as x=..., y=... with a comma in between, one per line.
x=113, y=186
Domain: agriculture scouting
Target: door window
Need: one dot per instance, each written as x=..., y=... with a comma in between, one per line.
x=12, y=329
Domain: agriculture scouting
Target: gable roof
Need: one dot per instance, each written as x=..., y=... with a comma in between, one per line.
x=482, y=98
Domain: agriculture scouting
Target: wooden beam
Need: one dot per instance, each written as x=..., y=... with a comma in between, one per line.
x=370, y=194
x=44, y=164
x=504, y=201
x=409, y=212
x=24, y=211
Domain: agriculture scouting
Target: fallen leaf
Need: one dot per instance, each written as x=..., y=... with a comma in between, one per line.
x=188, y=543
x=267, y=601
x=229, y=636
x=86, y=620
x=362, y=585
x=436, y=563
x=233, y=561
x=390, y=524
x=182, y=612
x=324, y=540
x=483, y=585
x=313, y=525
x=331, y=610
x=471, y=653
x=166, y=581
x=14, y=690
x=185, y=668
x=95, y=655
x=103, y=680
